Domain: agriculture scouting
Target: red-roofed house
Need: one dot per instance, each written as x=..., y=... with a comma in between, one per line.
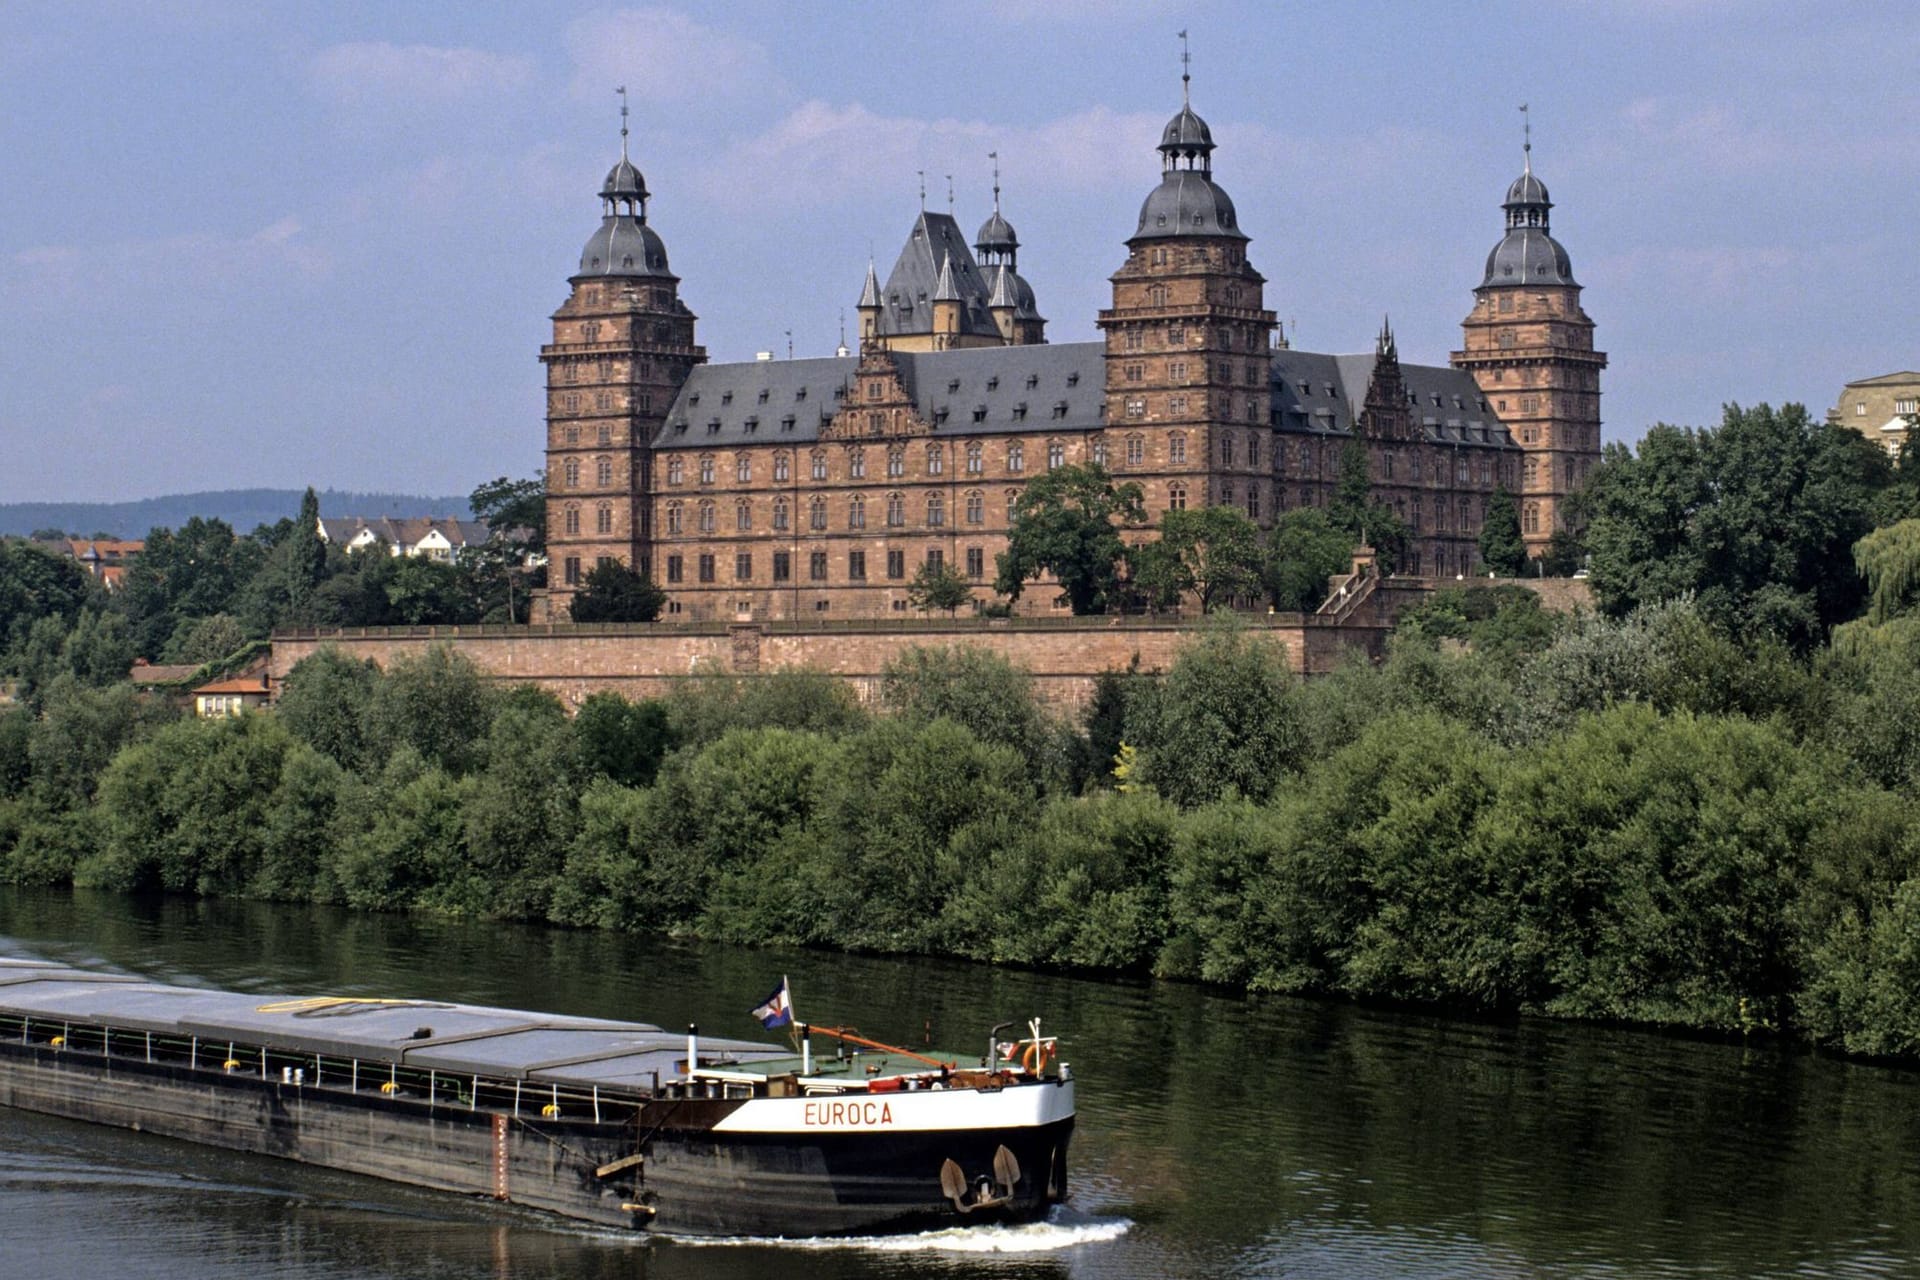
x=231, y=697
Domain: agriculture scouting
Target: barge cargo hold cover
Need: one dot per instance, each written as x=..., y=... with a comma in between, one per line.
x=619, y=1123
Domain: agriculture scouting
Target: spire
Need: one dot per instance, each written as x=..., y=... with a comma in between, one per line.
x=870, y=292
x=995, y=157
x=949, y=195
x=622, y=91
x=1385, y=347
x=1526, y=146
x=945, y=290
x=1186, y=70
x=1004, y=294
x=923, y=189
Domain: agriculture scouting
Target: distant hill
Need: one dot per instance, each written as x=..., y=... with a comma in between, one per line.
x=241, y=508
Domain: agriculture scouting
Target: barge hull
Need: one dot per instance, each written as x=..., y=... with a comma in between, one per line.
x=688, y=1179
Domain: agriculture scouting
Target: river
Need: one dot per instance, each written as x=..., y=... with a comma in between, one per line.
x=1218, y=1135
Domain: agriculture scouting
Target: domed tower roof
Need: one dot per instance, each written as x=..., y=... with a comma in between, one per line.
x=624, y=245
x=1528, y=253
x=1188, y=202
x=1186, y=132
x=996, y=235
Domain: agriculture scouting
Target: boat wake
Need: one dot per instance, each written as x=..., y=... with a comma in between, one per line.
x=1064, y=1232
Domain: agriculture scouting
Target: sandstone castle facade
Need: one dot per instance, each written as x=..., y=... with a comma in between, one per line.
x=818, y=488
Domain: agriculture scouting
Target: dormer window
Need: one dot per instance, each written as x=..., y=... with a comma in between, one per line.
x=1073, y=379
x=726, y=397
x=800, y=395
x=713, y=426
x=764, y=393
x=786, y=423
x=1020, y=410
x=1033, y=380
x=993, y=383
x=953, y=385
x=694, y=399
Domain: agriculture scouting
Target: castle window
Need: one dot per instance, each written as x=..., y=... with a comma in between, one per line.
x=1136, y=406
x=605, y=435
x=742, y=515
x=603, y=472
x=1386, y=466
x=974, y=464
x=817, y=566
x=782, y=566
x=817, y=513
x=572, y=521
x=1013, y=501
x=1529, y=472
x=743, y=566
x=1176, y=497
x=603, y=401
x=1226, y=449
x=1056, y=455
x=976, y=507
x=1530, y=518
x=876, y=424
x=782, y=513
x=781, y=464
x=1133, y=340
x=857, y=463
x=706, y=517
x=896, y=510
x=1253, y=501
x=603, y=518
x=743, y=468
x=1016, y=457
x=1134, y=371
x=875, y=388
x=819, y=459
x=570, y=474
x=1253, y=452
x=1177, y=336
x=1413, y=463
x=573, y=435
x=857, y=565
x=936, y=460
x=1157, y=295
x=896, y=564
x=1176, y=446
x=1136, y=450
x=976, y=563
x=896, y=462
x=1099, y=453
x=935, y=558
x=673, y=517
x=675, y=568
x=857, y=512
x=573, y=571
x=936, y=511
x=1177, y=370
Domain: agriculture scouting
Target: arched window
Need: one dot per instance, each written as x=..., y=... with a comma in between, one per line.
x=782, y=514
x=1176, y=497
x=743, y=515
x=706, y=517
x=673, y=517
x=936, y=511
x=936, y=459
x=781, y=464
x=896, y=461
x=896, y=510
x=743, y=468
x=572, y=521
x=976, y=507
x=603, y=518
x=817, y=513
x=1056, y=455
x=819, y=464
x=857, y=462
x=706, y=468
x=857, y=512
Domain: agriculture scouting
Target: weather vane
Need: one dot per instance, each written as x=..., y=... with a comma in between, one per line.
x=1186, y=70
x=622, y=91
x=1526, y=130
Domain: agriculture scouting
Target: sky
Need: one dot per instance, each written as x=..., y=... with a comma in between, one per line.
x=278, y=245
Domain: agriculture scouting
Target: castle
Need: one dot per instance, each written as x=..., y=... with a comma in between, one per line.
x=818, y=488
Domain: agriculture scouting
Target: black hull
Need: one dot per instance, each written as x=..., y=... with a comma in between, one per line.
x=688, y=1181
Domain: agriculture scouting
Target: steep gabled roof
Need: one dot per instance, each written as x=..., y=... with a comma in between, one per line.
x=907, y=301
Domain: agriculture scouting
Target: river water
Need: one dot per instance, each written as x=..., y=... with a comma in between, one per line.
x=1218, y=1136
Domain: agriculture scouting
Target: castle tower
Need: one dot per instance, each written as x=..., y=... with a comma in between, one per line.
x=1529, y=346
x=1010, y=298
x=1187, y=360
x=622, y=345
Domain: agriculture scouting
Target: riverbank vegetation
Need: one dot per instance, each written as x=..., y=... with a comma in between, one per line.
x=1693, y=808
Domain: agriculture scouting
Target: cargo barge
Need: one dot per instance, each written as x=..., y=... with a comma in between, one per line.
x=618, y=1123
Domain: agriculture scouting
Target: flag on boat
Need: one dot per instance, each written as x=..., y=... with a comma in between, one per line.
x=777, y=1010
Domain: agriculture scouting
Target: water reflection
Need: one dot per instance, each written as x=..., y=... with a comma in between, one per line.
x=1238, y=1137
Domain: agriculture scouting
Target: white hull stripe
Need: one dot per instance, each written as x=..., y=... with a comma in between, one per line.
x=1023, y=1107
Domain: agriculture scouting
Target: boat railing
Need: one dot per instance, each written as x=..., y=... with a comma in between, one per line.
x=394, y=1081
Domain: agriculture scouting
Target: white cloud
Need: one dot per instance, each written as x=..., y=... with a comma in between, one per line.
x=191, y=261
x=375, y=71
x=661, y=55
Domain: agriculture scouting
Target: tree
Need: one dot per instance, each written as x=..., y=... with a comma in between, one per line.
x=183, y=575
x=1371, y=523
x=1213, y=552
x=972, y=686
x=1565, y=555
x=1756, y=518
x=620, y=740
x=1305, y=549
x=614, y=593
x=1067, y=523
x=438, y=704
x=515, y=513
x=35, y=585
x=208, y=639
x=1501, y=549
x=326, y=700
x=1229, y=718
x=938, y=586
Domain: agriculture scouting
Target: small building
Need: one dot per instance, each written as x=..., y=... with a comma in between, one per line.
x=231, y=697
x=435, y=537
x=1881, y=409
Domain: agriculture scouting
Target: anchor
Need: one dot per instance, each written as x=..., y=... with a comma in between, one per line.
x=983, y=1192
